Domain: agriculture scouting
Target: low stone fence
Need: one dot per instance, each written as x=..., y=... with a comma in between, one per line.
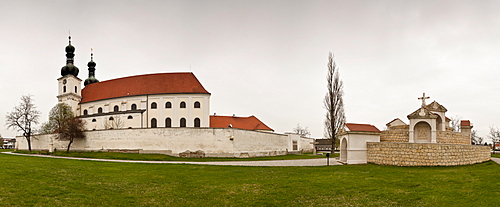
x=425, y=154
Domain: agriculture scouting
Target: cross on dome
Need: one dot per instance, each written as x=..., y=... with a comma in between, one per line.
x=423, y=99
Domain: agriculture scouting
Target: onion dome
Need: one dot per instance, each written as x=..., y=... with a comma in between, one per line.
x=91, y=66
x=70, y=68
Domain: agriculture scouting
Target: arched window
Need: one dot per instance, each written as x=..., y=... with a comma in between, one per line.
x=168, y=122
x=99, y=110
x=153, y=123
x=111, y=118
x=133, y=107
x=197, y=122
x=64, y=89
x=183, y=104
x=197, y=105
x=94, y=120
x=183, y=122
x=168, y=105
x=153, y=105
x=116, y=108
x=76, y=89
x=130, y=117
x=85, y=112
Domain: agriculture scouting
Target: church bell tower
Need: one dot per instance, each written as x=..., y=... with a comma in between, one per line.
x=69, y=83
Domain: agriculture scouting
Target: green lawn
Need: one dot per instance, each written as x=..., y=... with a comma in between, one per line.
x=161, y=157
x=35, y=181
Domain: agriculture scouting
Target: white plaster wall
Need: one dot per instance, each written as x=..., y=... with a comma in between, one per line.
x=306, y=144
x=213, y=141
x=356, y=146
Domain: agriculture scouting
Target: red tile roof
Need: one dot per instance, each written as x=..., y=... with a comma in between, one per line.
x=361, y=127
x=249, y=123
x=465, y=123
x=160, y=83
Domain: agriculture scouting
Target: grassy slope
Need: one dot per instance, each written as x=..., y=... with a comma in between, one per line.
x=34, y=181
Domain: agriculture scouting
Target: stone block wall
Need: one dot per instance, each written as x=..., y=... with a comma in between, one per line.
x=425, y=154
x=450, y=137
x=394, y=134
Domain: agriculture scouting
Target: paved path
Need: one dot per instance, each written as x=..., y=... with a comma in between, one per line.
x=302, y=162
x=497, y=160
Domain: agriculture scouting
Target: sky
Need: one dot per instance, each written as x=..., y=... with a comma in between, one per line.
x=267, y=58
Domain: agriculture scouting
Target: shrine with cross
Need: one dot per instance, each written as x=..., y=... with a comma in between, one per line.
x=428, y=140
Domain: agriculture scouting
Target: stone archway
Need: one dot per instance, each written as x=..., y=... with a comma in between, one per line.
x=422, y=132
x=343, y=150
x=439, y=124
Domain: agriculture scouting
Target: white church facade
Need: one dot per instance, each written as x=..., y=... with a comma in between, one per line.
x=171, y=110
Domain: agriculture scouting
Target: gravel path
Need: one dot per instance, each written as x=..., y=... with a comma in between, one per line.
x=302, y=162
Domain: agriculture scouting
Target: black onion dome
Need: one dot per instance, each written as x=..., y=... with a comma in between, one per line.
x=91, y=64
x=70, y=48
x=69, y=68
x=90, y=80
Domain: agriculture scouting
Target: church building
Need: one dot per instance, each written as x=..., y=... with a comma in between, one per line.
x=142, y=101
x=166, y=113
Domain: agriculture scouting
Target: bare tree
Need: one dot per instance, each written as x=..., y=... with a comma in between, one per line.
x=455, y=123
x=72, y=129
x=23, y=118
x=303, y=132
x=476, y=139
x=114, y=122
x=494, y=135
x=334, y=104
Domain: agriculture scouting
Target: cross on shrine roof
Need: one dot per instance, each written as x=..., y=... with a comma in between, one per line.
x=423, y=100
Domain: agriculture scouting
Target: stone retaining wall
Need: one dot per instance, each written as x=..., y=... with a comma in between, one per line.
x=214, y=142
x=425, y=154
x=449, y=137
x=395, y=135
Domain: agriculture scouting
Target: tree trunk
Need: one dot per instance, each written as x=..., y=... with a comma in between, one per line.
x=29, y=143
x=69, y=145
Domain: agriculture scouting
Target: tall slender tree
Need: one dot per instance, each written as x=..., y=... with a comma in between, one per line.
x=23, y=118
x=334, y=104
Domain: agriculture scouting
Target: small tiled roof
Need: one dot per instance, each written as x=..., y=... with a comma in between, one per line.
x=361, y=127
x=249, y=123
x=160, y=83
x=465, y=123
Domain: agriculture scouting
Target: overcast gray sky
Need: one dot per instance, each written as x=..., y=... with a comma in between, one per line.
x=268, y=58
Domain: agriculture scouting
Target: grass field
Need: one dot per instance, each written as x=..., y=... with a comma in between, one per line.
x=161, y=157
x=34, y=181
